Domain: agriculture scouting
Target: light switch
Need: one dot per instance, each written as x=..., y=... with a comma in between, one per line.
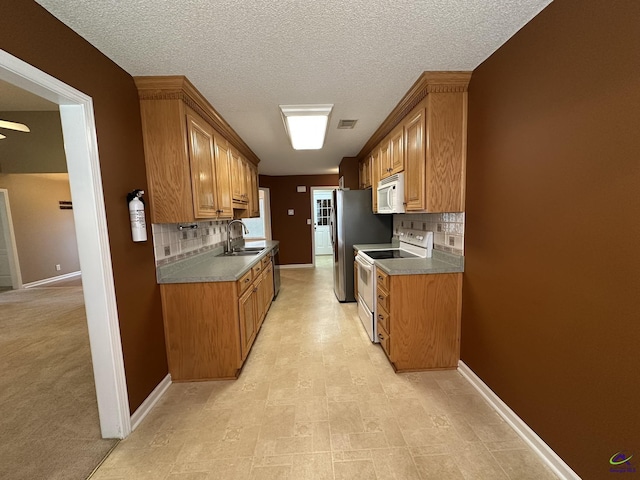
x=308, y=221
x=301, y=188
x=290, y=211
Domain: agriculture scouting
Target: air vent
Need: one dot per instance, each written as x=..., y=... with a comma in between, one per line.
x=347, y=124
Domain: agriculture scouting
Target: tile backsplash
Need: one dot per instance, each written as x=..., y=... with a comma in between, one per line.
x=170, y=243
x=447, y=228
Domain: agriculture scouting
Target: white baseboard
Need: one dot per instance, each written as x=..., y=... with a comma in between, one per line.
x=144, y=409
x=44, y=281
x=297, y=265
x=548, y=456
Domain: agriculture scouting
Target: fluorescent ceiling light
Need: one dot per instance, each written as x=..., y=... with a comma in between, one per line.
x=306, y=125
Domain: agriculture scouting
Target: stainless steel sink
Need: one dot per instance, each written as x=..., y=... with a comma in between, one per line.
x=249, y=249
x=240, y=253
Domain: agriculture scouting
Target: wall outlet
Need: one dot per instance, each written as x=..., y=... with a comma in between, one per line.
x=58, y=267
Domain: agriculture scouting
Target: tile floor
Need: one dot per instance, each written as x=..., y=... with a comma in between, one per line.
x=317, y=400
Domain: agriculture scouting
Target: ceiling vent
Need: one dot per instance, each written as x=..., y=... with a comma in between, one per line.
x=347, y=124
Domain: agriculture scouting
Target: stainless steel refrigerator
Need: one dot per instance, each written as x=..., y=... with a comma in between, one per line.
x=353, y=222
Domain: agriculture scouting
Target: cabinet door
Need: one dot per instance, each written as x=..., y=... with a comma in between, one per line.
x=254, y=194
x=396, y=152
x=201, y=157
x=247, y=306
x=415, y=161
x=237, y=175
x=223, y=177
x=383, y=160
x=375, y=178
x=258, y=293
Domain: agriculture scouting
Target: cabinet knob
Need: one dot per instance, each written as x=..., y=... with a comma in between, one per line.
x=246, y=280
x=379, y=277
x=380, y=297
x=380, y=317
x=380, y=336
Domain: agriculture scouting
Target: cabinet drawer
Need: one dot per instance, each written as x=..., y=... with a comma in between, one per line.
x=382, y=279
x=245, y=281
x=385, y=340
x=382, y=299
x=257, y=269
x=266, y=261
x=382, y=317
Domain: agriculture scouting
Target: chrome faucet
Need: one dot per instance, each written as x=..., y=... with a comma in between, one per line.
x=244, y=227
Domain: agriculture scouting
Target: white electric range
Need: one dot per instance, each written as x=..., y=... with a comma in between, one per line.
x=413, y=244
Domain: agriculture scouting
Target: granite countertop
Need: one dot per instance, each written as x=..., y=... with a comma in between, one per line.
x=209, y=267
x=440, y=262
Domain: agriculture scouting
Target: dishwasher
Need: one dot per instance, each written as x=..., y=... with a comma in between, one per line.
x=275, y=256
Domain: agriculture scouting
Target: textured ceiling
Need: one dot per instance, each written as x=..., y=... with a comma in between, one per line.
x=247, y=57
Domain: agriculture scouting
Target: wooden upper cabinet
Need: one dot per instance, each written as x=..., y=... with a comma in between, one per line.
x=446, y=151
x=375, y=178
x=384, y=165
x=254, y=193
x=203, y=175
x=428, y=143
x=414, y=185
x=365, y=172
x=187, y=152
x=396, y=151
x=238, y=177
x=223, y=175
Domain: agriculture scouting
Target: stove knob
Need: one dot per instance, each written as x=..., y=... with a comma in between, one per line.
x=420, y=237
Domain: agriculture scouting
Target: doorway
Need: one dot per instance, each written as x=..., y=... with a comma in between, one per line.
x=81, y=149
x=10, y=278
x=321, y=206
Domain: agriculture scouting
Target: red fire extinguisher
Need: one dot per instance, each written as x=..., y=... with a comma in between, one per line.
x=136, y=215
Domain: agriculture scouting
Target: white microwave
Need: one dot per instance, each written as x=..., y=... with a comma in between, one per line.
x=391, y=194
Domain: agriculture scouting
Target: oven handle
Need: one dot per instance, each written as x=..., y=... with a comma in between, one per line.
x=363, y=263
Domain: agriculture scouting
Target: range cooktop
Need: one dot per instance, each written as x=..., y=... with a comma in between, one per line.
x=384, y=254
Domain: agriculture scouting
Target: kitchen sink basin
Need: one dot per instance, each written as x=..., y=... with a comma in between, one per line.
x=240, y=253
x=249, y=249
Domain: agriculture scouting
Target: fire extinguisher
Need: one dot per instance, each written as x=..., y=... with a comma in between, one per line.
x=136, y=214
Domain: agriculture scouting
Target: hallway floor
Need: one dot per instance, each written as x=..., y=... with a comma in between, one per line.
x=317, y=400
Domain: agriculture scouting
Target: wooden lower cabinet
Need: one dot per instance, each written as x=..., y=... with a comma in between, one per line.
x=418, y=320
x=210, y=327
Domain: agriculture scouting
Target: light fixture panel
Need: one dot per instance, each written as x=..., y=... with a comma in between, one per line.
x=306, y=125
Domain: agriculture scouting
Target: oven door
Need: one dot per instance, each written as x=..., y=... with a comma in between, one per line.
x=365, y=281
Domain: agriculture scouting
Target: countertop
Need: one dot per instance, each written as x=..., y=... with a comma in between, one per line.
x=440, y=262
x=209, y=267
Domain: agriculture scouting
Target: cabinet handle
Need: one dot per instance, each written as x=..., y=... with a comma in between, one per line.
x=379, y=277
x=380, y=297
x=380, y=317
x=246, y=280
x=255, y=289
x=380, y=336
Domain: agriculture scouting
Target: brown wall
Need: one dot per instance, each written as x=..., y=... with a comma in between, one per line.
x=551, y=319
x=45, y=235
x=292, y=231
x=350, y=170
x=33, y=35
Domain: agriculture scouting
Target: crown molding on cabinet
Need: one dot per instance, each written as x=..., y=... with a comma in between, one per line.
x=429, y=82
x=178, y=87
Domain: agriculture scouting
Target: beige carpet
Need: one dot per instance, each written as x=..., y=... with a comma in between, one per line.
x=48, y=410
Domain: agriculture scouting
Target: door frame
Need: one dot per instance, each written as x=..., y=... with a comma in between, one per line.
x=83, y=166
x=313, y=233
x=10, y=240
